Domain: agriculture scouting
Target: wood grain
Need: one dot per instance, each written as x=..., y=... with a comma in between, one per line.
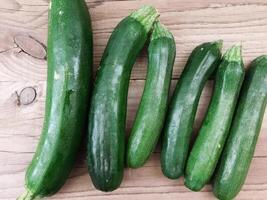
x=23, y=25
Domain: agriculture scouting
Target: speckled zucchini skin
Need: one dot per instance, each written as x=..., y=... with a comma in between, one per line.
x=181, y=113
x=70, y=56
x=151, y=112
x=107, y=116
x=238, y=152
x=208, y=146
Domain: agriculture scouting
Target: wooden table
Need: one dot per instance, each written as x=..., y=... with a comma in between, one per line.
x=23, y=33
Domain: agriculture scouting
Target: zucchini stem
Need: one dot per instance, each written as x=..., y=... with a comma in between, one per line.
x=27, y=195
x=219, y=44
x=146, y=15
x=160, y=31
x=233, y=54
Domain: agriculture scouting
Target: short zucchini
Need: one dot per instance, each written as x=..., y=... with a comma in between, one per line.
x=107, y=116
x=181, y=113
x=208, y=146
x=244, y=132
x=70, y=54
x=151, y=112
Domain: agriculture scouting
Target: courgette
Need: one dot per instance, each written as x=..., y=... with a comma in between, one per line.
x=215, y=128
x=244, y=132
x=151, y=112
x=107, y=116
x=69, y=81
x=181, y=113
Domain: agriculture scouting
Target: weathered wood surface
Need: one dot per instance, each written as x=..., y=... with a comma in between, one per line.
x=23, y=27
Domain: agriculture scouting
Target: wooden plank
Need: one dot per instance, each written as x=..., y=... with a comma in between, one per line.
x=191, y=23
x=21, y=125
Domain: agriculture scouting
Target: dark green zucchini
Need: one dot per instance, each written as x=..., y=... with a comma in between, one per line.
x=69, y=80
x=243, y=136
x=208, y=146
x=151, y=112
x=107, y=116
x=181, y=112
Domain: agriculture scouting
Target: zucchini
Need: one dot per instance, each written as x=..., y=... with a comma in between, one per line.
x=151, y=112
x=244, y=132
x=181, y=113
x=107, y=116
x=69, y=81
x=208, y=146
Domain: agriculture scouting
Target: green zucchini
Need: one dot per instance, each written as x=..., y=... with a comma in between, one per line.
x=69, y=81
x=151, y=112
x=181, y=113
x=208, y=146
x=244, y=132
x=107, y=116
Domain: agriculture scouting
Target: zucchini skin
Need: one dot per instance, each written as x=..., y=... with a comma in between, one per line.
x=151, y=112
x=181, y=113
x=240, y=146
x=70, y=61
x=107, y=116
x=208, y=146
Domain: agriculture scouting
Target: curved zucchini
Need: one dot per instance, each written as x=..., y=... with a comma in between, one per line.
x=69, y=80
x=107, y=116
x=152, y=109
x=240, y=145
x=215, y=128
x=181, y=114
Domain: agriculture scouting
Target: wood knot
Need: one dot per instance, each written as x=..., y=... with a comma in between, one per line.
x=26, y=96
x=31, y=46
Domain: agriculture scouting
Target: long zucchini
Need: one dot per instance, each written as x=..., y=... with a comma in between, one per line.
x=181, y=113
x=69, y=80
x=215, y=128
x=151, y=112
x=240, y=146
x=107, y=116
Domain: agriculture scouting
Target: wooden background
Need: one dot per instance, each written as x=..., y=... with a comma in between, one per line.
x=23, y=33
